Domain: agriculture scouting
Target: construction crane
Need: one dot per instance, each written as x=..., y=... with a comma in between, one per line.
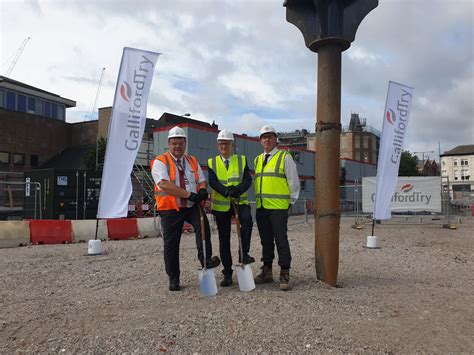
x=17, y=56
x=91, y=117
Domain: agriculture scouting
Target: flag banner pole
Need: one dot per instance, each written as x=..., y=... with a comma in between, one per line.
x=96, y=228
x=395, y=124
x=126, y=127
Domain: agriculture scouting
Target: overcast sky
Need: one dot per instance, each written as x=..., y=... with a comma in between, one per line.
x=240, y=64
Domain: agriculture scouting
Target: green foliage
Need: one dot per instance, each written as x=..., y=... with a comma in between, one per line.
x=89, y=159
x=408, y=164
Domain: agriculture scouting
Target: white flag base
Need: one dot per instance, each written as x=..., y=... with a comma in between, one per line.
x=95, y=247
x=372, y=242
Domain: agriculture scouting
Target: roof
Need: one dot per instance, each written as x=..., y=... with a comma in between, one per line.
x=31, y=90
x=168, y=119
x=460, y=150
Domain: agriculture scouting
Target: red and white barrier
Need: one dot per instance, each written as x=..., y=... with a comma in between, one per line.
x=122, y=228
x=50, y=232
x=17, y=233
x=85, y=230
x=14, y=233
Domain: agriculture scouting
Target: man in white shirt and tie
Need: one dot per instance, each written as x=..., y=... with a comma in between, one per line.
x=180, y=186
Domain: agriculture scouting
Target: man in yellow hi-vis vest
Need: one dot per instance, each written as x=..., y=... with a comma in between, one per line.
x=229, y=178
x=277, y=187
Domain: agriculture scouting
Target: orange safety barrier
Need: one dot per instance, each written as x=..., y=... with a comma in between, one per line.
x=50, y=232
x=123, y=228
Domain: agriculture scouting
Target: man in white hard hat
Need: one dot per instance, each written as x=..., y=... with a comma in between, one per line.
x=180, y=186
x=277, y=187
x=229, y=178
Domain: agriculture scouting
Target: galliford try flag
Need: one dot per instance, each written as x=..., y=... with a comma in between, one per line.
x=395, y=124
x=126, y=127
x=412, y=194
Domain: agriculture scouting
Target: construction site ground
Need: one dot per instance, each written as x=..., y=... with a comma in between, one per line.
x=414, y=294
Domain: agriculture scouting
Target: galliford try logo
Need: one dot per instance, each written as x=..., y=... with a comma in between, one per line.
x=132, y=93
x=408, y=194
x=398, y=118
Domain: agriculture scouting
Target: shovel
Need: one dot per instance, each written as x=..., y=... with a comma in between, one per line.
x=244, y=271
x=207, y=278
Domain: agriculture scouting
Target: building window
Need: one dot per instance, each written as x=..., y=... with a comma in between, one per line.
x=366, y=142
x=39, y=107
x=34, y=159
x=465, y=175
x=4, y=158
x=18, y=159
x=31, y=105
x=455, y=162
x=303, y=185
x=54, y=111
x=21, y=104
x=464, y=162
x=47, y=109
x=11, y=101
x=61, y=110
x=296, y=156
x=2, y=96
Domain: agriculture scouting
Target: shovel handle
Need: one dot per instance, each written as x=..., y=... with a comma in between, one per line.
x=203, y=235
x=235, y=206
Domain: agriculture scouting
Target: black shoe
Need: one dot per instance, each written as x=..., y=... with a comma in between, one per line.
x=175, y=287
x=213, y=262
x=226, y=281
x=248, y=259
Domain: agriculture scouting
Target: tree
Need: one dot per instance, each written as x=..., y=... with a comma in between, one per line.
x=89, y=159
x=408, y=164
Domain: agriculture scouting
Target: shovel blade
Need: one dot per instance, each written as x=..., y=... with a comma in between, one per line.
x=207, y=282
x=245, y=278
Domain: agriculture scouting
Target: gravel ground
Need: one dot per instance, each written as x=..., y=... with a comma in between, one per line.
x=414, y=294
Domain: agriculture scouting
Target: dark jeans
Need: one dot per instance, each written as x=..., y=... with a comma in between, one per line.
x=272, y=227
x=172, y=223
x=223, y=220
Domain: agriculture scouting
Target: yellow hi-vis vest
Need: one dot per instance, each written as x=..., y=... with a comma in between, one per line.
x=231, y=177
x=271, y=186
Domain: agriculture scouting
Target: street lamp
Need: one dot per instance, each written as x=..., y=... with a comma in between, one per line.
x=423, y=160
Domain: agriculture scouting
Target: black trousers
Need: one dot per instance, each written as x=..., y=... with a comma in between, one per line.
x=172, y=223
x=223, y=220
x=272, y=227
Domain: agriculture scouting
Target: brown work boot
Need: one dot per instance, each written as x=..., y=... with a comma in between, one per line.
x=265, y=276
x=284, y=280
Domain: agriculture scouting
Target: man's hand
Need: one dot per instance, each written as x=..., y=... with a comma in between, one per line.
x=234, y=191
x=203, y=194
x=194, y=197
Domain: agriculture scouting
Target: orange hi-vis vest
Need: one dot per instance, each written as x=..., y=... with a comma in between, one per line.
x=165, y=201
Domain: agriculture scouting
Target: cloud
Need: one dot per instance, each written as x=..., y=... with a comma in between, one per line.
x=240, y=63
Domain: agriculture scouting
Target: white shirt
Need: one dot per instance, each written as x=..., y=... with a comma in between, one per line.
x=160, y=172
x=291, y=174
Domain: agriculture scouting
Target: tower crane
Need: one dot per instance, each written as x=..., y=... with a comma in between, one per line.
x=16, y=57
x=97, y=95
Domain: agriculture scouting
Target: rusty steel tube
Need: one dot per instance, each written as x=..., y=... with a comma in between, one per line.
x=328, y=130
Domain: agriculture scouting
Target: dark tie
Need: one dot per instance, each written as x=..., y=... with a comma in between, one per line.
x=182, y=182
x=266, y=159
x=226, y=163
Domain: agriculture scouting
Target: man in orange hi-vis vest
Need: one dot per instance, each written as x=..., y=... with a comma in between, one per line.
x=180, y=186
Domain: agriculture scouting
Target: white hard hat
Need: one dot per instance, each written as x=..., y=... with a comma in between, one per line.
x=176, y=132
x=225, y=135
x=267, y=129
